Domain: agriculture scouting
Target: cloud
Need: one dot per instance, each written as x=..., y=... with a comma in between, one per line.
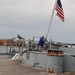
x=31, y=18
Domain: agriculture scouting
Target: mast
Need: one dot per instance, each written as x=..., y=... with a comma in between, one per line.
x=51, y=19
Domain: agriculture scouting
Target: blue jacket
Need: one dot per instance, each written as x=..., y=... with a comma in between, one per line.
x=41, y=41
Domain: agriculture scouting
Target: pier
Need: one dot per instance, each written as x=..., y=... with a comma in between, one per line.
x=9, y=67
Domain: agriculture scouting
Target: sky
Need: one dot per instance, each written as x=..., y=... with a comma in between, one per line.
x=31, y=18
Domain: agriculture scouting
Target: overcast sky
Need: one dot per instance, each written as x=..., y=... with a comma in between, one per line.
x=31, y=18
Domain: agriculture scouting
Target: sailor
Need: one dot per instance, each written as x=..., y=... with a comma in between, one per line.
x=40, y=43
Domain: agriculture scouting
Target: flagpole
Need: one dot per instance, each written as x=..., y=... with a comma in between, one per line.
x=51, y=19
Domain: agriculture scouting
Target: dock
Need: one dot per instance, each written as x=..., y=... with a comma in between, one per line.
x=9, y=67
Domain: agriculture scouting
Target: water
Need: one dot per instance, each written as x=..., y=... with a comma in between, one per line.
x=3, y=49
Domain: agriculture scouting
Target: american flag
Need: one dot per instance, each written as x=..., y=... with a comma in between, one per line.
x=59, y=10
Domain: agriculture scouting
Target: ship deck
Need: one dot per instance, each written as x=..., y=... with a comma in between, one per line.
x=9, y=67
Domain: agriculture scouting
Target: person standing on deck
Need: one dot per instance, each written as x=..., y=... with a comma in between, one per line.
x=40, y=43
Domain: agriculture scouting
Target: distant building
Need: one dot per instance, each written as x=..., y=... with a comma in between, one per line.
x=6, y=42
x=3, y=42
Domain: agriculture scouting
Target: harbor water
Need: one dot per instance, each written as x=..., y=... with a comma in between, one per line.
x=3, y=49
